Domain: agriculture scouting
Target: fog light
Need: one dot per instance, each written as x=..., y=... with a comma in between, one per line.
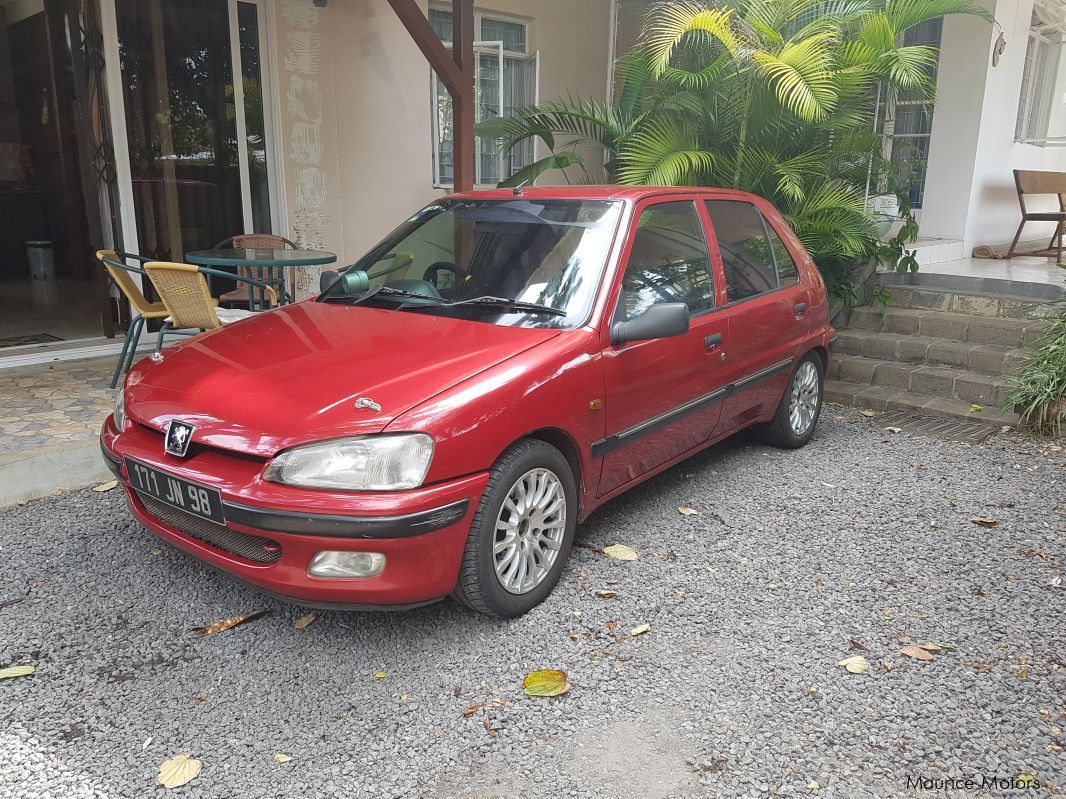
x=338, y=565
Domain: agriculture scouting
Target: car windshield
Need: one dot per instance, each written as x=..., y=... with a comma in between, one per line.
x=525, y=261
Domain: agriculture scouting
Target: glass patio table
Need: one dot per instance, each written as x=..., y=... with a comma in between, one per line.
x=262, y=264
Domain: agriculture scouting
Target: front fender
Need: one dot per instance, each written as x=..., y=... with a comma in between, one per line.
x=553, y=385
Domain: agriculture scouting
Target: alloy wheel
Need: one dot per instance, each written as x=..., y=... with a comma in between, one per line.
x=529, y=531
x=803, y=402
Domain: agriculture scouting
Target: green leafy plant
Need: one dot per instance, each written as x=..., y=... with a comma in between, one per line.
x=893, y=253
x=777, y=97
x=1040, y=394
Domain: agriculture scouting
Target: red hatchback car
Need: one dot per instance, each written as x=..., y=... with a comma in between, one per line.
x=438, y=420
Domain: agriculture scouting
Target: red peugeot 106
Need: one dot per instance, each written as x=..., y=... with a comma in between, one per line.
x=443, y=414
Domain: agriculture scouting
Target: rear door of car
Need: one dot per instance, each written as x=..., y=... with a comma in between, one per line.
x=768, y=307
x=662, y=395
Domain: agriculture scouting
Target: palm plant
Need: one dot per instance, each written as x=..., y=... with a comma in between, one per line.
x=777, y=97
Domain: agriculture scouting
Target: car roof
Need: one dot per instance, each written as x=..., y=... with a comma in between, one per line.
x=631, y=193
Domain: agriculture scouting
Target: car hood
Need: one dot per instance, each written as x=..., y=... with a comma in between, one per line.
x=294, y=374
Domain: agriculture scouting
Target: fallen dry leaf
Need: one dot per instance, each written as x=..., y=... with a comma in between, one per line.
x=105, y=486
x=200, y=697
x=620, y=552
x=470, y=710
x=813, y=786
x=605, y=594
x=613, y=582
x=1023, y=672
x=984, y=668
x=611, y=626
x=915, y=652
x=281, y=757
x=302, y=622
x=688, y=511
x=853, y=644
x=935, y=647
x=16, y=671
x=894, y=429
x=983, y=522
x=889, y=665
x=855, y=665
x=868, y=414
x=178, y=770
x=546, y=682
x=640, y=630
x=233, y=621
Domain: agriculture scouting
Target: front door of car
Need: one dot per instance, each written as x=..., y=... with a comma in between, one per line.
x=768, y=309
x=662, y=395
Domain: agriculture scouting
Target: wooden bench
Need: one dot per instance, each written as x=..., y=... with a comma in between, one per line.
x=1033, y=182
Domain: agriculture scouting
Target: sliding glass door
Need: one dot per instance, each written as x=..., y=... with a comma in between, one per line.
x=197, y=121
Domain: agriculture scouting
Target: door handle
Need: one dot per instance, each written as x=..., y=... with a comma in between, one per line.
x=710, y=342
x=800, y=309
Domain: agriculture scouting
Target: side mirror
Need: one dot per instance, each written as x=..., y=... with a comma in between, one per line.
x=353, y=281
x=327, y=279
x=662, y=320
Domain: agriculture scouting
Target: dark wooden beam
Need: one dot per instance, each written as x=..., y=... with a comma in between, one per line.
x=456, y=73
x=463, y=106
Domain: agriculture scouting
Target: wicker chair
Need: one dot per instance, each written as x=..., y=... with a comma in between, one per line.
x=120, y=272
x=268, y=274
x=187, y=297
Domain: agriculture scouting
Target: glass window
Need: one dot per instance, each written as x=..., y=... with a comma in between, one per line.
x=668, y=262
x=1041, y=118
x=495, y=63
x=457, y=253
x=746, y=256
x=512, y=34
x=787, y=271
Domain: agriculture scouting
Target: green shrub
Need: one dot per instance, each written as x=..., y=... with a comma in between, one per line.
x=1040, y=396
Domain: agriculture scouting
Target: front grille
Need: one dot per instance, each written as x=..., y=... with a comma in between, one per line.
x=249, y=547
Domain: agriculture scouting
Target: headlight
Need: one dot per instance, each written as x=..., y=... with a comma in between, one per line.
x=120, y=409
x=363, y=463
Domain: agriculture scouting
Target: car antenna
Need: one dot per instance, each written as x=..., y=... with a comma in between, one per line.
x=517, y=191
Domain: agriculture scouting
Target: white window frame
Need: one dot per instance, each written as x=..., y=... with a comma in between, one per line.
x=482, y=48
x=1036, y=96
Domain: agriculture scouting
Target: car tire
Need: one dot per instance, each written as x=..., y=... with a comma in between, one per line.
x=793, y=426
x=484, y=573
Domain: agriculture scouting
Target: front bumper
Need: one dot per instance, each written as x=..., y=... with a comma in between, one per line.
x=272, y=531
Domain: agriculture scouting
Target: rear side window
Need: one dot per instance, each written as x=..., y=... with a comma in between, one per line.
x=787, y=271
x=747, y=255
x=669, y=261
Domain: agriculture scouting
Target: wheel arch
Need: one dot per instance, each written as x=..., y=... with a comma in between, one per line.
x=823, y=356
x=565, y=443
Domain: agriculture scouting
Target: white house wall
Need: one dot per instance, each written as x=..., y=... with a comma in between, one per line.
x=355, y=107
x=970, y=192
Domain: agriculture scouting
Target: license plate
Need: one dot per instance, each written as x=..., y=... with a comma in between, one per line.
x=174, y=491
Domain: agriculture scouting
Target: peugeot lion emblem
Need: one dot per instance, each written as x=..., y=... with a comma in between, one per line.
x=365, y=403
x=179, y=435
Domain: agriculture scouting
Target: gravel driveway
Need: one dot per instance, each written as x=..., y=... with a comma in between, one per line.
x=864, y=536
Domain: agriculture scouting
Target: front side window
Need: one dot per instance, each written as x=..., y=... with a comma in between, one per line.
x=668, y=261
x=504, y=81
x=467, y=258
x=747, y=258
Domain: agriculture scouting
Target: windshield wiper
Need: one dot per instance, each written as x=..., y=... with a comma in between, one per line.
x=503, y=302
x=383, y=290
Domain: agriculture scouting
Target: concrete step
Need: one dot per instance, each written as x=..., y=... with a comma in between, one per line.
x=884, y=398
x=973, y=303
x=989, y=359
x=1014, y=333
x=918, y=378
